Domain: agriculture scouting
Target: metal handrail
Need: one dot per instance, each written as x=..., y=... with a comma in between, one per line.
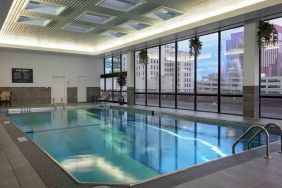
x=267, y=155
x=266, y=126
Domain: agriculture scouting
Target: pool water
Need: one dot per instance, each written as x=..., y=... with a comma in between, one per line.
x=113, y=146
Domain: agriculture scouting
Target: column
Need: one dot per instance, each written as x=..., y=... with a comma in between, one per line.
x=251, y=72
x=130, y=78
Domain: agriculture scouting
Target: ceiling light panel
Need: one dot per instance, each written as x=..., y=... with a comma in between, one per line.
x=112, y=33
x=121, y=5
x=33, y=21
x=78, y=28
x=93, y=17
x=163, y=13
x=44, y=8
x=54, y=38
x=135, y=25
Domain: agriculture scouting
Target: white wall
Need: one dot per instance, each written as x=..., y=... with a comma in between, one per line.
x=45, y=65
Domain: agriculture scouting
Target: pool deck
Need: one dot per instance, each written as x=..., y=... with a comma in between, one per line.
x=256, y=173
x=15, y=170
x=23, y=164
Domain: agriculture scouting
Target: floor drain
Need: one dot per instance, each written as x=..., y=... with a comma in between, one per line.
x=22, y=139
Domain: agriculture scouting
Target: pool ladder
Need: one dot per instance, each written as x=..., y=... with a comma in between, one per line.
x=261, y=129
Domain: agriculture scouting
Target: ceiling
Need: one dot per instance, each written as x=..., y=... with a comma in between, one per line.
x=53, y=37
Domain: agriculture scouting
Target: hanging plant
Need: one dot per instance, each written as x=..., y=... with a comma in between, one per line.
x=195, y=46
x=267, y=34
x=143, y=56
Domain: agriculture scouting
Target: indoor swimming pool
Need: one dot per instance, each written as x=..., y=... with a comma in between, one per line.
x=117, y=146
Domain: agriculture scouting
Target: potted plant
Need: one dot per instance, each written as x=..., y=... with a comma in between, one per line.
x=267, y=34
x=121, y=81
x=195, y=46
x=143, y=56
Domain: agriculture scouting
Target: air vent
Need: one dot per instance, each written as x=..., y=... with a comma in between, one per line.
x=111, y=33
x=136, y=25
x=45, y=8
x=121, y=5
x=33, y=21
x=95, y=18
x=78, y=28
x=163, y=13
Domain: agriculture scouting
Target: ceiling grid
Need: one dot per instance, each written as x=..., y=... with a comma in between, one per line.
x=53, y=32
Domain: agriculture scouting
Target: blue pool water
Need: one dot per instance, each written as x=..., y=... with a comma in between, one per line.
x=102, y=145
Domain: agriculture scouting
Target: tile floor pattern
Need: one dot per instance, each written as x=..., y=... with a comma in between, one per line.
x=15, y=170
x=256, y=173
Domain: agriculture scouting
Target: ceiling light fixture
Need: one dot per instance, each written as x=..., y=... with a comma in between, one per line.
x=33, y=21
x=77, y=28
x=44, y=8
x=121, y=5
x=112, y=33
x=93, y=17
x=135, y=25
x=163, y=13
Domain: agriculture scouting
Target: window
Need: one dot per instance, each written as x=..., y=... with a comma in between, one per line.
x=108, y=81
x=140, y=79
x=124, y=62
x=207, y=74
x=231, y=70
x=153, y=77
x=174, y=79
x=116, y=64
x=185, y=76
x=108, y=65
x=271, y=77
x=140, y=69
x=168, y=75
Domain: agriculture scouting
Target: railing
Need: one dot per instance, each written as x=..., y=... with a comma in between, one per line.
x=62, y=103
x=266, y=126
x=262, y=128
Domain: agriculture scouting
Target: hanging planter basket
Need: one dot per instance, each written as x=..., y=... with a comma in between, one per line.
x=266, y=35
x=143, y=56
x=195, y=46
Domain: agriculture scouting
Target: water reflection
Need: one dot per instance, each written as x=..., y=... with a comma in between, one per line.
x=120, y=147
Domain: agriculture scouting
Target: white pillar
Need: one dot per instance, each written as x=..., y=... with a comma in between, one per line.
x=251, y=72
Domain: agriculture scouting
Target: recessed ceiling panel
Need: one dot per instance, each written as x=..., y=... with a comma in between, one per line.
x=112, y=33
x=163, y=13
x=44, y=8
x=135, y=25
x=21, y=27
x=93, y=17
x=121, y=5
x=78, y=28
x=33, y=21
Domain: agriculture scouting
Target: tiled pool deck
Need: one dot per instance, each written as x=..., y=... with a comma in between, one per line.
x=23, y=164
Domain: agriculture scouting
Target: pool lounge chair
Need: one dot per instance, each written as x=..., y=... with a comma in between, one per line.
x=5, y=97
x=104, y=97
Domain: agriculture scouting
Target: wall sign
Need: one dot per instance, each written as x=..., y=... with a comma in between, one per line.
x=22, y=75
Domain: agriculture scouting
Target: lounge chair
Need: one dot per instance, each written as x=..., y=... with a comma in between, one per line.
x=104, y=97
x=5, y=97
